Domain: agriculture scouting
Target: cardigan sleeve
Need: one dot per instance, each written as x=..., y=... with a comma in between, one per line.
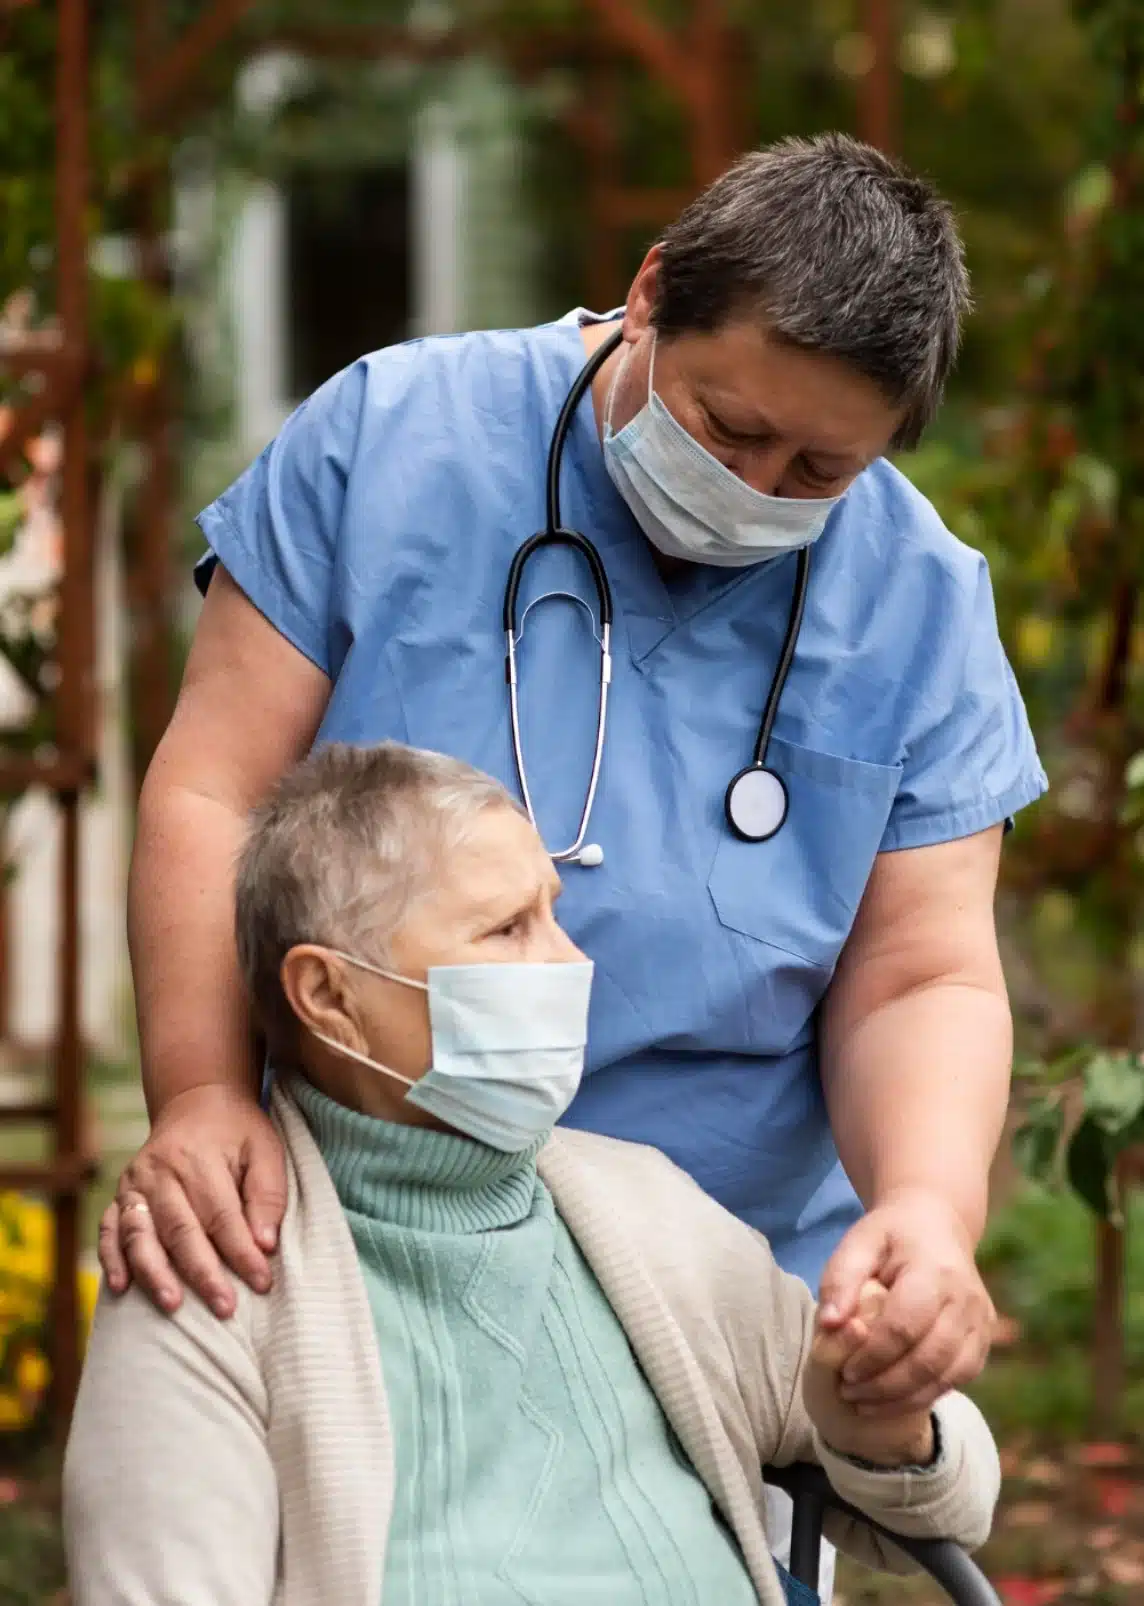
x=169, y=1496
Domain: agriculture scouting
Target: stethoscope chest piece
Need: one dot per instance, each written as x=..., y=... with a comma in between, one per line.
x=756, y=803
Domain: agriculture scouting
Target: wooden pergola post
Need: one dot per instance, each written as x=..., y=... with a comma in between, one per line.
x=68, y=768
x=879, y=109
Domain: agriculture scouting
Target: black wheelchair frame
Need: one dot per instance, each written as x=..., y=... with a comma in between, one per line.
x=811, y=1495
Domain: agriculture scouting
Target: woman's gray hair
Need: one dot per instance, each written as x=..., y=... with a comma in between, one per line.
x=338, y=852
x=837, y=249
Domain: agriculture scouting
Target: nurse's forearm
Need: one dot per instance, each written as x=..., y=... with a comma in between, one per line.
x=194, y=1024
x=917, y=1092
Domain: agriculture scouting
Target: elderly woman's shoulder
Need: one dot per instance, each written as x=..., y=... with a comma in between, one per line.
x=638, y=1181
x=130, y=1324
x=569, y=1146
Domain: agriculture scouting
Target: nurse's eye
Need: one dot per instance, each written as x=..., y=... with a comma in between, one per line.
x=512, y=928
x=815, y=475
x=726, y=435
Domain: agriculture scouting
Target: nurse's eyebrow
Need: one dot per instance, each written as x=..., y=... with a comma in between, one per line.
x=762, y=428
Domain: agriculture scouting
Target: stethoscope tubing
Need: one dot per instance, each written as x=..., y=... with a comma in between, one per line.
x=555, y=534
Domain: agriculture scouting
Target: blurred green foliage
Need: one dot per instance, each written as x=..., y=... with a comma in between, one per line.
x=1037, y=1259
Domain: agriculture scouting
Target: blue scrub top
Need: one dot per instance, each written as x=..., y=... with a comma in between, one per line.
x=375, y=534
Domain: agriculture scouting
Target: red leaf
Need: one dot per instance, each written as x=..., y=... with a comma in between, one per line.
x=1103, y=1455
x=1020, y=1591
x=1114, y=1496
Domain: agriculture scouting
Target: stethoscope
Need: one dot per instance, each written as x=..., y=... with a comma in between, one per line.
x=756, y=801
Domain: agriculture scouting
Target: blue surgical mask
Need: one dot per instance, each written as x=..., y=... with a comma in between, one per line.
x=508, y=1046
x=689, y=504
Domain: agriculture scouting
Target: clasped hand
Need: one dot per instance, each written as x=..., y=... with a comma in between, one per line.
x=935, y=1326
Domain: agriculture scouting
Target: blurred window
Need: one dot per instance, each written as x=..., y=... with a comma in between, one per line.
x=348, y=281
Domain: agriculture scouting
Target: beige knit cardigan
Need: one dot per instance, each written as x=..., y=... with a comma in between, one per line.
x=247, y=1462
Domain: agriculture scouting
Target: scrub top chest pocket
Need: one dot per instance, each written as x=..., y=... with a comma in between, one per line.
x=795, y=896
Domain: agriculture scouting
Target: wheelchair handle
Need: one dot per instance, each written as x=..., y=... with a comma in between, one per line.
x=812, y=1495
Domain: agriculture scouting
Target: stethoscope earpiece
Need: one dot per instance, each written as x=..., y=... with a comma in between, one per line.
x=590, y=856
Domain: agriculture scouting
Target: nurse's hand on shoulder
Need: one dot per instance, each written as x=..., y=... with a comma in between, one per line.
x=208, y=1187
x=935, y=1329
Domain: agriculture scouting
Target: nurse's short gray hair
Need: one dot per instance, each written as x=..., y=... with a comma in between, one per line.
x=337, y=854
x=840, y=250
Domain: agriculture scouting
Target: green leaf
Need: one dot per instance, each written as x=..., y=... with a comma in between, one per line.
x=1113, y=1091
x=1051, y=1073
x=1088, y=1166
x=1134, y=774
x=1036, y=1143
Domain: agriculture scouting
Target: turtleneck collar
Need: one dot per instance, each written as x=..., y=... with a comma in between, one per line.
x=411, y=1176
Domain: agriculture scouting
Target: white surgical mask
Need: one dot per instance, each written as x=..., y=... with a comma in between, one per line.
x=508, y=1046
x=689, y=504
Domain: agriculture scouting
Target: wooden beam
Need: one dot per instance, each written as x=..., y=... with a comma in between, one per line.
x=173, y=73
x=65, y=1177
x=627, y=24
x=19, y=1114
x=36, y=353
x=59, y=773
x=526, y=49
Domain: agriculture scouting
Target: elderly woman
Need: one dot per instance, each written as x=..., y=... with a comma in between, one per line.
x=500, y=1364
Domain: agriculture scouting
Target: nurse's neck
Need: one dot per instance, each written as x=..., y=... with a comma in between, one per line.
x=593, y=336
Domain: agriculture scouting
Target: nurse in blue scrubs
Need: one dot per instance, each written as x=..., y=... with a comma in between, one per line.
x=814, y=1026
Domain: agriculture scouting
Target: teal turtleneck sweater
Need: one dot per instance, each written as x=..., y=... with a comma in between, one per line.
x=534, y=1464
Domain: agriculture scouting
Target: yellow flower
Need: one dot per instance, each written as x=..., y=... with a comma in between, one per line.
x=32, y=1375
x=1034, y=640
x=88, y=1294
x=27, y=1262
x=14, y=1412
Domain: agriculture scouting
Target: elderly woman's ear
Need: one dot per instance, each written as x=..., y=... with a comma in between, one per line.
x=322, y=996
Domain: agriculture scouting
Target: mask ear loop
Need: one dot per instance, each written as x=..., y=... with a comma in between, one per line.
x=376, y=970
x=609, y=404
x=362, y=1059
x=352, y=1053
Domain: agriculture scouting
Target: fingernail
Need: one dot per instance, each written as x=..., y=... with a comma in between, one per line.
x=115, y=1282
x=220, y=1306
x=168, y=1299
x=267, y=1237
x=261, y=1284
x=830, y=1313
